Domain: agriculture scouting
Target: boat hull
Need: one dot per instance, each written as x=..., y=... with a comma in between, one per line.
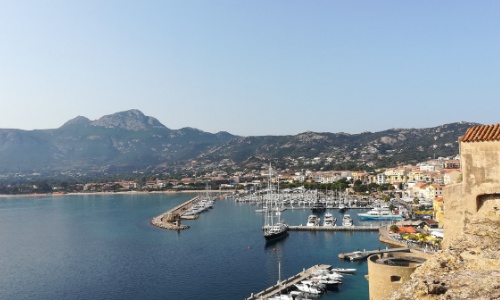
x=375, y=217
x=275, y=236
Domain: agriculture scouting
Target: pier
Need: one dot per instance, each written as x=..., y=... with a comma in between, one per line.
x=326, y=208
x=328, y=228
x=287, y=283
x=171, y=219
x=365, y=254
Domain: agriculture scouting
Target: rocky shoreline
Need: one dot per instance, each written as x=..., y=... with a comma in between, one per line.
x=468, y=269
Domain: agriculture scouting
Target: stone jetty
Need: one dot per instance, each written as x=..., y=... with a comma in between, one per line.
x=171, y=219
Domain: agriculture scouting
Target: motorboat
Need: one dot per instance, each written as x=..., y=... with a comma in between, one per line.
x=343, y=270
x=382, y=213
x=341, y=207
x=325, y=280
x=312, y=220
x=263, y=209
x=330, y=220
x=357, y=255
x=280, y=297
x=308, y=288
x=347, y=221
x=318, y=206
x=298, y=295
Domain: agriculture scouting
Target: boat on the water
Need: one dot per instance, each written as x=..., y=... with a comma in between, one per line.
x=318, y=206
x=308, y=287
x=382, y=213
x=274, y=227
x=347, y=221
x=330, y=220
x=357, y=255
x=343, y=270
x=312, y=221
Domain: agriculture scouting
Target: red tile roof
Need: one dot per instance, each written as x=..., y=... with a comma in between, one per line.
x=482, y=134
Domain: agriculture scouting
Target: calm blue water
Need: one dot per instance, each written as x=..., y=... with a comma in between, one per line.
x=103, y=247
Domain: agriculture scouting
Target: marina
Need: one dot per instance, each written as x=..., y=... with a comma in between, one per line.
x=287, y=283
x=153, y=256
x=331, y=228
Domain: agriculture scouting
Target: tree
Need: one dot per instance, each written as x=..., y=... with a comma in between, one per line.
x=391, y=207
x=373, y=186
x=415, y=201
x=394, y=228
x=385, y=198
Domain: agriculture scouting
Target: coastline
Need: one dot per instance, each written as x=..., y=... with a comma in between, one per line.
x=108, y=193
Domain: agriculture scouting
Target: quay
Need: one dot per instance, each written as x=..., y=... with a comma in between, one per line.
x=287, y=283
x=310, y=207
x=171, y=219
x=333, y=228
x=365, y=254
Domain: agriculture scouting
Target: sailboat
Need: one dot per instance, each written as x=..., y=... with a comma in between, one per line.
x=273, y=230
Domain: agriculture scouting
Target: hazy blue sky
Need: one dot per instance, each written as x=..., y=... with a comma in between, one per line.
x=251, y=67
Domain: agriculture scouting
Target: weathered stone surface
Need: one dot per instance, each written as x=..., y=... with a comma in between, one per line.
x=469, y=269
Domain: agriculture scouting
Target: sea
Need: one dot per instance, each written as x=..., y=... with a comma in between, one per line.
x=104, y=247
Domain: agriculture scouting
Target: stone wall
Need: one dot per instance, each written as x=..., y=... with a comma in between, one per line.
x=479, y=191
x=385, y=279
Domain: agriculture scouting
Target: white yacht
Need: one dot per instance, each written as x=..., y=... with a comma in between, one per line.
x=380, y=213
x=357, y=255
x=330, y=220
x=280, y=297
x=312, y=220
x=347, y=221
x=343, y=270
x=308, y=288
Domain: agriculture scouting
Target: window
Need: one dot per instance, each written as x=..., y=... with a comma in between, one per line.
x=395, y=278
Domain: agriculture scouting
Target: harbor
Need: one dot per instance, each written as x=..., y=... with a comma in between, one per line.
x=171, y=219
x=330, y=228
x=286, y=284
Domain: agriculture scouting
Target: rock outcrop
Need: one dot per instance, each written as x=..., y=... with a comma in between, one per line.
x=468, y=269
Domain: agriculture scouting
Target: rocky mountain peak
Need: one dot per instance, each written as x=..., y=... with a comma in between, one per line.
x=132, y=119
x=80, y=120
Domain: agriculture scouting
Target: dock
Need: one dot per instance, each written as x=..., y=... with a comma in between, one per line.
x=326, y=208
x=287, y=283
x=333, y=228
x=171, y=218
x=365, y=254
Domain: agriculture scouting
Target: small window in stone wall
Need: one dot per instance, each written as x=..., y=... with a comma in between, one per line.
x=487, y=202
x=395, y=278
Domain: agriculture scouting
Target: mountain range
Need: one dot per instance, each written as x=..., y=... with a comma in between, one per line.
x=129, y=140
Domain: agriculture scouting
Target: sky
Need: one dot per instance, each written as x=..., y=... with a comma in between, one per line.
x=251, y=67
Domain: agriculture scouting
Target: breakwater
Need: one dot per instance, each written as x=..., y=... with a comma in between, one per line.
x=171, y=218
